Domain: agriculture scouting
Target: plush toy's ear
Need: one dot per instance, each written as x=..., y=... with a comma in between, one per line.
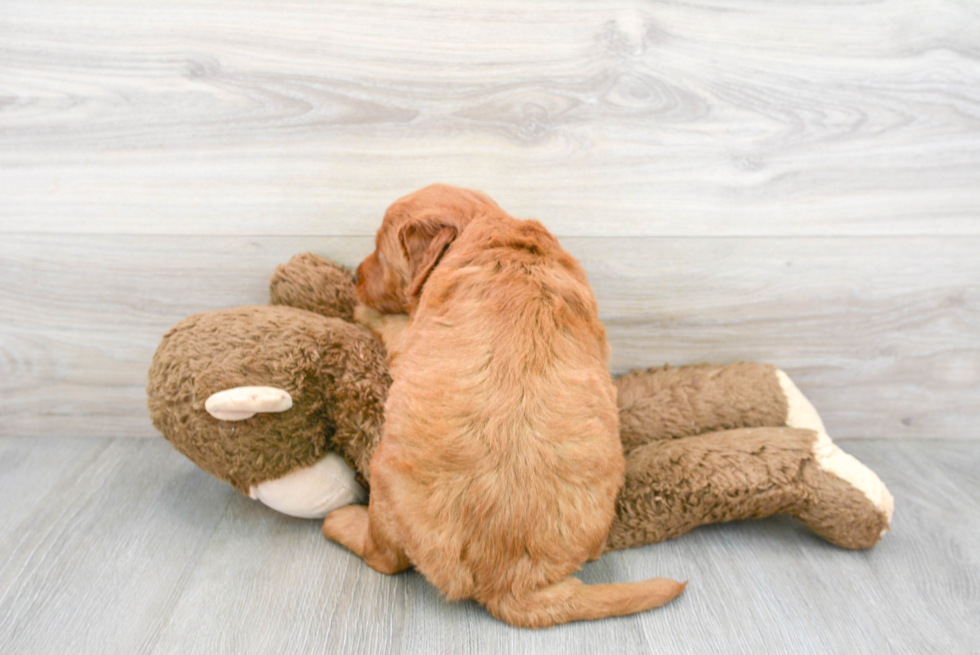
x=423, y=244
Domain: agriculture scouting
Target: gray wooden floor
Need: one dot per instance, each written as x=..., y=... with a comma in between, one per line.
x=123, y=546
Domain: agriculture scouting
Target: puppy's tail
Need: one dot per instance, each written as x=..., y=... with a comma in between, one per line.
x=571, y=600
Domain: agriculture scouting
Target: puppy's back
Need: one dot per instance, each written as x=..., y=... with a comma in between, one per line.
x=521, y=462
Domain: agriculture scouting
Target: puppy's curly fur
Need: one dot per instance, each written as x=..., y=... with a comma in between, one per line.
x=500, y=463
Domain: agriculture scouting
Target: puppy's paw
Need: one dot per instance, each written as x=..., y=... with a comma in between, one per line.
x=368, y=317
x=351, y=528
x=348, y=526
x=386, y=327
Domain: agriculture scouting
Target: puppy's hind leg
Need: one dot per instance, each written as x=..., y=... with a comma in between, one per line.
x=351, y=528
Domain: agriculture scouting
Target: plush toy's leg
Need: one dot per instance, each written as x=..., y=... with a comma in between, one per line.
x=351, y=527
x=667, y=403
x=673, y=486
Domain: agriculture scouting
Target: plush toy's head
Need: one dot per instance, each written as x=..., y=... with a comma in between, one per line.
x=334, y=371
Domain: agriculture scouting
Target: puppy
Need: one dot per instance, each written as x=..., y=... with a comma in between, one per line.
x=498, y=470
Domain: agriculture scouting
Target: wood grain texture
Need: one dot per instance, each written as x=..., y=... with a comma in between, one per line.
x=104, y=554
x=794, y=183
x=29, y=471
x=881, y=333
x=627, y=119
x=134, y=550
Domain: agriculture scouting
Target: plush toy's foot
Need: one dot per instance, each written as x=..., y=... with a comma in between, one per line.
x=837, y=480
x=837, y=510
x=351, y=528
x=314, y=491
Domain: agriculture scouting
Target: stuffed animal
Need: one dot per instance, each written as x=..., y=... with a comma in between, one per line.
x=278, y=400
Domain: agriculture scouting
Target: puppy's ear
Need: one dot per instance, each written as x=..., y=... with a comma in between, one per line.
x=424, y=244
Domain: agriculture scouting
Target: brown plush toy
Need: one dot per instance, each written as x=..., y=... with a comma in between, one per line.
x=264, y=396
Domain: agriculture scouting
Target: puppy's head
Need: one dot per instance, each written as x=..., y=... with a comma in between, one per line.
x=415, y=234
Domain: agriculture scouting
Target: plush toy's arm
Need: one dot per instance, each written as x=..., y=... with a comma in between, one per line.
x=673, y=486
x=318, y=285
x=315, y=284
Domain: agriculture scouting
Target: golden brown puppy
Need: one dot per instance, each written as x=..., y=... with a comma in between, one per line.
x=500, y=463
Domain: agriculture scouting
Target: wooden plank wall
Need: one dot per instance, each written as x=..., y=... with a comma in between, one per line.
x=788, y=182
